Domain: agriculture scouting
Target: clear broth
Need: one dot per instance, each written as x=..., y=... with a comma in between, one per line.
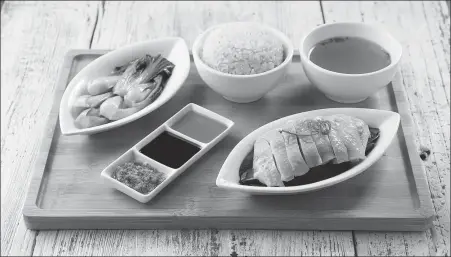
x=349, y=55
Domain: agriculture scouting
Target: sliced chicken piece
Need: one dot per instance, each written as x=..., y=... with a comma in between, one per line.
x=264, y=166
x=294, y=153
x=308, y=146
x=340, y=150
x=321, y=138
x=279, y=152
x=362, y=128
x=350, y=136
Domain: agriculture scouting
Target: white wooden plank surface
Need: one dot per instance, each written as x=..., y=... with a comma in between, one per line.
x=194, y=243
x=35, y=37
x=423, y=29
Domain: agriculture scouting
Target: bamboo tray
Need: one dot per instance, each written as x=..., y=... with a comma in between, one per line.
x=67, y=192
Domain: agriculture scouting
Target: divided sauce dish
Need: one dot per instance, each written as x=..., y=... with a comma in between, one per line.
x=174, y=49
x=386, y=121
x=136, y=153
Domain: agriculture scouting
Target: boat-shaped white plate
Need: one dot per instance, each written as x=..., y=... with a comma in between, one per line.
x=386, y=121
x=172, y=48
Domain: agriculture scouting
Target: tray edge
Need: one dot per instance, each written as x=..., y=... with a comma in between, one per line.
x=30, y=206
x=425, y=209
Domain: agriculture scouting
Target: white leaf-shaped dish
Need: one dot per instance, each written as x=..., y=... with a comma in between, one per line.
x=386, y=121
x=172, y=48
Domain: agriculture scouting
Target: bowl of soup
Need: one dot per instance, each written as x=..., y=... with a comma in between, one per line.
x=349, y=61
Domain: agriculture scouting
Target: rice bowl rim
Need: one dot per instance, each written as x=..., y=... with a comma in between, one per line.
x=274, y=32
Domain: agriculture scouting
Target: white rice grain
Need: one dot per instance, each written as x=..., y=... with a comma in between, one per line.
x=242, y=50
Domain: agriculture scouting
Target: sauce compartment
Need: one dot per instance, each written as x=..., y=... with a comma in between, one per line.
x=199, y=127
x=199, y=124
x=130, y=156
x=170, y=151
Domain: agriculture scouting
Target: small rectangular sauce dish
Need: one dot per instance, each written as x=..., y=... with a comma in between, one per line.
x=155, y=161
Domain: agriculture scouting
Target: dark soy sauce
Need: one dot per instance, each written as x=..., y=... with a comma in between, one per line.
x=170, y=150
x=320, y=173
x=349, y=55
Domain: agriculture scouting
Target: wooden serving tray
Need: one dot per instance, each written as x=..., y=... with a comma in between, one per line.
x=67, y=192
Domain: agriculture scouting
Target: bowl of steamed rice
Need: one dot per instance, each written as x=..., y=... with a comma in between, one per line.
x=242, y=61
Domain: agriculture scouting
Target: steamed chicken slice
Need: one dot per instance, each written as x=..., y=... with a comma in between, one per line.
x=338, y=146
x=322, y=141
x=279, y=152
x=362, y=128
x=265, y=169
x=293, y=149
x=307, y=144
x=350, y=136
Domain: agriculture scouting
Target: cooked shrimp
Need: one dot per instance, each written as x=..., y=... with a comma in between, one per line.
x=137, y=94
x=129, y=88
x=142, y=91
x=90, y=118
x=101, y=85
x=115, y=107
x=91, y=101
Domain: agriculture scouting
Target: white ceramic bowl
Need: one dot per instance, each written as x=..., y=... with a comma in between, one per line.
x=242, y=88
x=172, y=48
x=350, y=88
x=386, y=121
